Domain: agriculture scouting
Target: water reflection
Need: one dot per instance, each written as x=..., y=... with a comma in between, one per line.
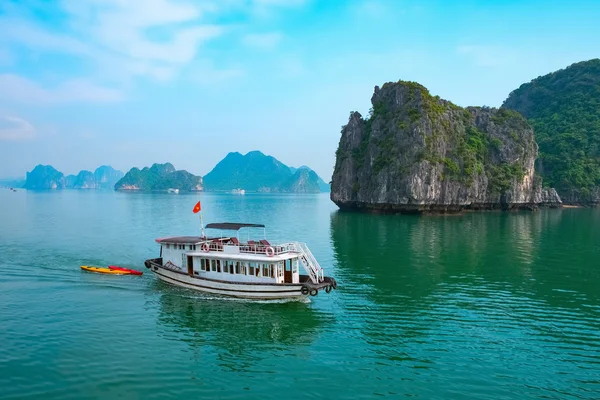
x=240, y=332
x=408, y=256
x=429, y=290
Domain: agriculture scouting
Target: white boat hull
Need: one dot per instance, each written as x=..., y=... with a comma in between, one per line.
x=240, y=290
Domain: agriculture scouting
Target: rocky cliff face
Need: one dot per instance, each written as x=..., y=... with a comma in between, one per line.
x=419, y=153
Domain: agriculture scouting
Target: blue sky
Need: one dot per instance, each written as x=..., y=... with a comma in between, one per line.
x=129, y=83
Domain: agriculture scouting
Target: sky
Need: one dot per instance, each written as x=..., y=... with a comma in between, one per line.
x=127, y=83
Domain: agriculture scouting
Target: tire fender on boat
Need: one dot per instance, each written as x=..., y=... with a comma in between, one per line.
x=314, y=292
x=328, y=289
x=205, y=247
x=269, y=251
x=304, y=290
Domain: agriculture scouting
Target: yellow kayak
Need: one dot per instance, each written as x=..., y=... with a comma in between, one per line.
x=101, y=270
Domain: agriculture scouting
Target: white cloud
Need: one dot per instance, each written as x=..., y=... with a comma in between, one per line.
x=118, y=40
x=488, y=56
x=14, y=128
x=119, y=34
x=19, y=89
x=262, y=41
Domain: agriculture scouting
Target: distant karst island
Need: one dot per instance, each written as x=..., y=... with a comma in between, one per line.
x=415, y=152
x=44, y=177
x=257, y=172
x=252, y=172
x=159, y=177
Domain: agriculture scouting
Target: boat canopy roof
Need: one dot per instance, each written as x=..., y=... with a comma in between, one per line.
x=181, y=240
x=233, y=226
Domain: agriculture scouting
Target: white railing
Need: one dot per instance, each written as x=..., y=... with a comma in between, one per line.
x=309, y=262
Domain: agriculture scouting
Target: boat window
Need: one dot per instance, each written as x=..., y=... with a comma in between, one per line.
x=167, y=245
x=231, y=267
x=213, y=265
x=288, y=265
x=243, y=268
x=272, y=269
x=265, y=271
x=218, y=265
x=202, y=265
x=226, y=267
x=251, y=269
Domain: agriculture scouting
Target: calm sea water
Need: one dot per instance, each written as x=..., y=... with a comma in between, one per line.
x=478, y=306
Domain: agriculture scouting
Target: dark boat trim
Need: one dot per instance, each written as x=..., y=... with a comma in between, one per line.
x=227, y=290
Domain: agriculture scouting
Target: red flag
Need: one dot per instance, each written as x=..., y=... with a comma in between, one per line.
x=196, y=207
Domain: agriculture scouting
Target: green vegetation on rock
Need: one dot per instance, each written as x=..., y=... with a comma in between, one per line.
x=564, y=109
x=159, y=177
x=257, y=172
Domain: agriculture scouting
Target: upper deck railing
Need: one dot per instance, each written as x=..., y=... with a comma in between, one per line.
x=252, y=248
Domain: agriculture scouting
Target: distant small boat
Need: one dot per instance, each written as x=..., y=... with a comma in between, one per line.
x=101, y=270
x=238, y=191
x=173, y=191
x=130, y=271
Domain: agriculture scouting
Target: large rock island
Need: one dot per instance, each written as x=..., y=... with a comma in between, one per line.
x=419, y=153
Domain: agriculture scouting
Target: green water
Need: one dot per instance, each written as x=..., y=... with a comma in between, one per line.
x=478, y=306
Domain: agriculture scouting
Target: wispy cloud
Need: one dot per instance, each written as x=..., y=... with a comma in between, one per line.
x=488, y=55
x=262, y=41
x=13, y=128
x=19, y=89
x=370, y=8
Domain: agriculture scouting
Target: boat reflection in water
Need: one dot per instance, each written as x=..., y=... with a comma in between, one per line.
x=240, y=332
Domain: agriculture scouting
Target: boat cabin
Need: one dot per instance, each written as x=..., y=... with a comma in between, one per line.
x=227, y=258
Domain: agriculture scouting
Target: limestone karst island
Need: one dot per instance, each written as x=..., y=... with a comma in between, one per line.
x=416, y=152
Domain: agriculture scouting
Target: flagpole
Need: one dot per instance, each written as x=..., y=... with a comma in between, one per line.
x=202, y=225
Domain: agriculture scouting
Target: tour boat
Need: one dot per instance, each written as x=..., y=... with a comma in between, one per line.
x=224, y=265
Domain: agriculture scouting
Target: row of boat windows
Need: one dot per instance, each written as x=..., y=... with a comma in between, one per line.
x=246, y=268
x=181, y=246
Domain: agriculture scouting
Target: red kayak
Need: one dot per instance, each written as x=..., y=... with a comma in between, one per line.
x=131, y=271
